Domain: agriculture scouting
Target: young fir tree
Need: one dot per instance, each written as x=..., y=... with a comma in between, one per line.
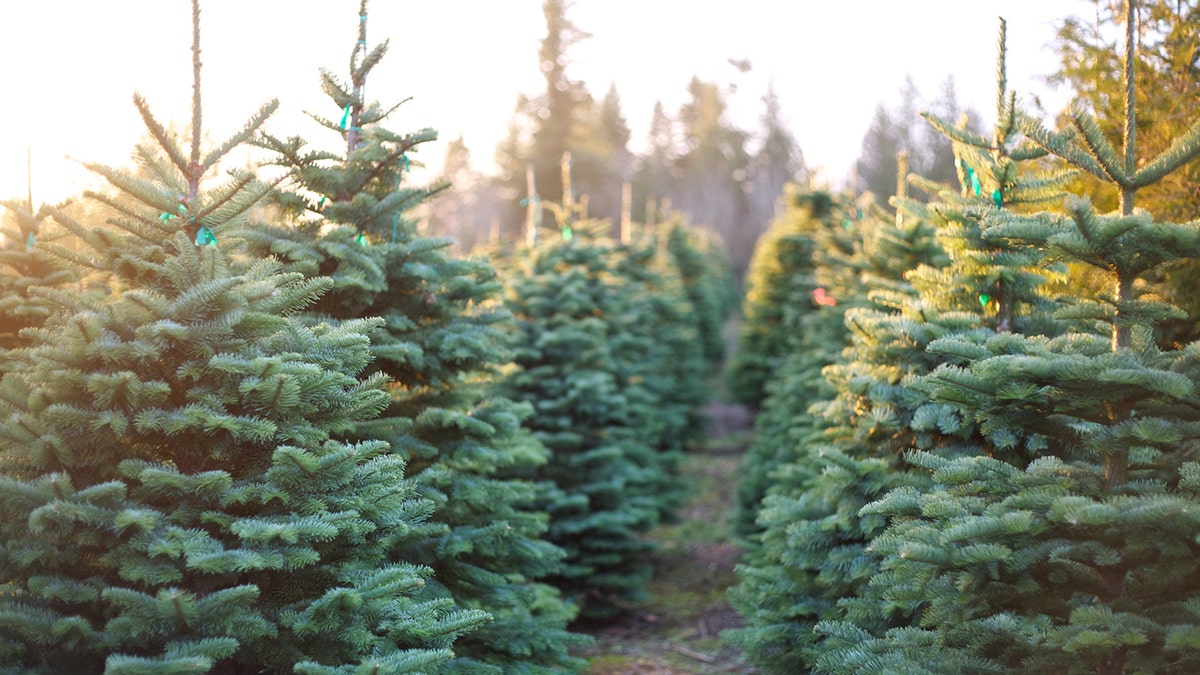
x=810, y=327
x=658, y=353
x=780, y=273
x=347, y=215
x=22, y=267
x=704, y=268
x=813, y=533
x=1079, y=558
x=610, y=477
x=803, y=537
x=174, y=500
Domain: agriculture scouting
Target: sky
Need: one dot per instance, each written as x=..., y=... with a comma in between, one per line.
x=70, y=68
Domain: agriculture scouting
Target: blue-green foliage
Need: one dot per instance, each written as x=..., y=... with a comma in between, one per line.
x=815, y=534
x=811, y=296
x=606, y=350
x=707, y=277
x=1064, y=543
x=174, y=496
x=780, y=276
x=24, y=266
x=439, y=346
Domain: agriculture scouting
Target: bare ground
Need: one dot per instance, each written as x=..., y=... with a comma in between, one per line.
x=677, y=629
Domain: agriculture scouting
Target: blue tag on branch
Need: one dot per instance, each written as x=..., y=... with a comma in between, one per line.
x=205, y=237
x=30, y=240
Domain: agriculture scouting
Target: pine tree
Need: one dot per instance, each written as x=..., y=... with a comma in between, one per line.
x=347, y=215
x=1066, y=546
x=174, y=499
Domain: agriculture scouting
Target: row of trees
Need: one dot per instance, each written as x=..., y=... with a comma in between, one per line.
x=998, y=472
x=199, y=472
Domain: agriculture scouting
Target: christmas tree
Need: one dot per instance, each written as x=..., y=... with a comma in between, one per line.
x=780, y=275
x=658, y=353
x=1065, y=544
x=811, y=328
x=966, y=285
x=814, y=462
x=704, y=268
x=346, y=214
x=174, y=497
x=22, y=267
x=610, y=480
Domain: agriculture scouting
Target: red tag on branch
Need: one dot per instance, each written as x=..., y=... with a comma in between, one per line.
x=820, y=297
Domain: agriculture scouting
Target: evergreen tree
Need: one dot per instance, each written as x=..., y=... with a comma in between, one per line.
x=347, y=215
x=1166, y=64
x=779, y=276
x=22, y=267
x=777, y=162
x=565, y=118
x=712, y=169
x=815, y=554
x=809, y=337
x=822, y=448
x=901, y=130
x=608, y=356
x=1065, y=544
x=173, y=497
x=605, y=477
x=707, y=282
x=652, y=181
x=658, y=353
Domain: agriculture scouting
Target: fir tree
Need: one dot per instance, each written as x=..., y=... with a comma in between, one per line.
x=821, y=450
x=22, y=267
x=174, y=499
x=1067, y=549
x=347, y=215
x=780, y=274
x=813, y=534
x=811, y=332
x=705, y=272
x=579, y=341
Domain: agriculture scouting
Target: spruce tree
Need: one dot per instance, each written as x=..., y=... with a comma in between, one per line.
x=174, y=498
x=347, y=213
x=1066, y=545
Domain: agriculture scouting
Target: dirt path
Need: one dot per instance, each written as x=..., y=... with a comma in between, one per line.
x=677, y=630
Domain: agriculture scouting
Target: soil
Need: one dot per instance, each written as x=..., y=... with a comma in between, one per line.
x=677, y=630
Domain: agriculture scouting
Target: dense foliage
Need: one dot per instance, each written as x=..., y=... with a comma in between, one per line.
x=1002, y=480
x=607, y=351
